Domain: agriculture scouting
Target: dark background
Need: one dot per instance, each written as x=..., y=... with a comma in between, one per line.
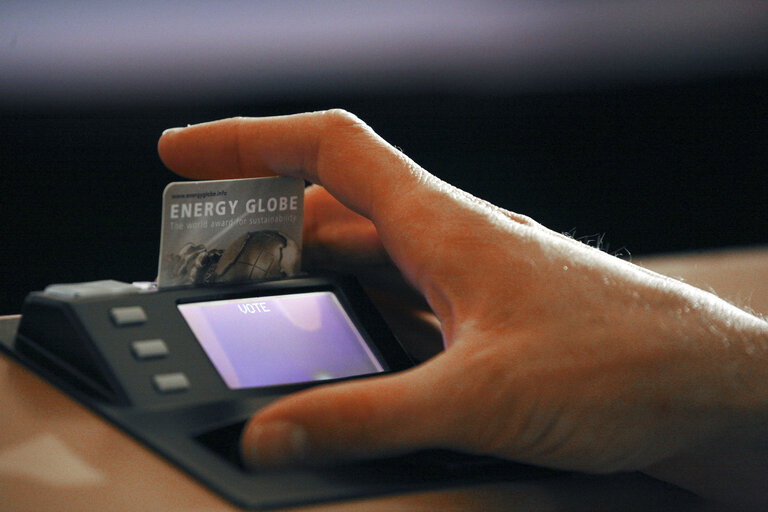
x=664, y=165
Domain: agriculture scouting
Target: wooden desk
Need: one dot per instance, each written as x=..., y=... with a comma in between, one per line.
x=57, y=455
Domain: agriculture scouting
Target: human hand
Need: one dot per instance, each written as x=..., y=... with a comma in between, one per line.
x=556, y=353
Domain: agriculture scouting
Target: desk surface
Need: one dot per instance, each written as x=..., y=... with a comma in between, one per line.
x=57, y=455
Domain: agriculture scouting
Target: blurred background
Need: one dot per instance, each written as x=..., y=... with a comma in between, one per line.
x=639, y=124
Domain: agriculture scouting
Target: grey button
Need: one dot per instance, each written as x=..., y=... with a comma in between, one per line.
x=171, y=382
x=149, y=349
x=130, y=315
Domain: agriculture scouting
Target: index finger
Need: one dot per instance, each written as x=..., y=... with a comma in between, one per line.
x=417, y=216
x=331, y=148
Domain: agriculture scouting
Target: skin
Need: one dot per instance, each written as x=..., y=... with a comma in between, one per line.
x=555, y=354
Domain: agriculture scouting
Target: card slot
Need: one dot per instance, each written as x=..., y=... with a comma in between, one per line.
x=225, y=442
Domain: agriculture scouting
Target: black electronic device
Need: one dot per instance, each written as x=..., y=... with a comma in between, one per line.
x=192, y=346
x=183, y=369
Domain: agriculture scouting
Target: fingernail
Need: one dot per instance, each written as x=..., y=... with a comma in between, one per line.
x=274, y=445
x=170, y=131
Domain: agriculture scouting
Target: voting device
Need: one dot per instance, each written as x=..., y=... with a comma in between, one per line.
x=191, y=346
x=182, y=369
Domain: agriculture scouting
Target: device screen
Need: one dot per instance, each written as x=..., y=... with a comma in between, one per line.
x=281, y=339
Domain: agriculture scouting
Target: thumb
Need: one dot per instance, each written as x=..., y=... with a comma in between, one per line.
x=347, y=421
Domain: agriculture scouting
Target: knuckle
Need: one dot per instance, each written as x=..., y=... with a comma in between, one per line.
x=338, y=119
x=339, y=115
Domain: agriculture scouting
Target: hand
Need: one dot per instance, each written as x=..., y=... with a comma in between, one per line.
x=556, y=353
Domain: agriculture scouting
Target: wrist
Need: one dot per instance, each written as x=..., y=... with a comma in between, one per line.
x=729, y=464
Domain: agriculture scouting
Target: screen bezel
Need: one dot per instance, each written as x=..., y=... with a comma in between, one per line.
x=364, y=316
x=203, y=329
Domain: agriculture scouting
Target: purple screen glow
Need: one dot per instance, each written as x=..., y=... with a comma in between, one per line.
x=283, y=339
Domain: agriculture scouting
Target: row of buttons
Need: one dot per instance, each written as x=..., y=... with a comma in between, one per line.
x=149, y=349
